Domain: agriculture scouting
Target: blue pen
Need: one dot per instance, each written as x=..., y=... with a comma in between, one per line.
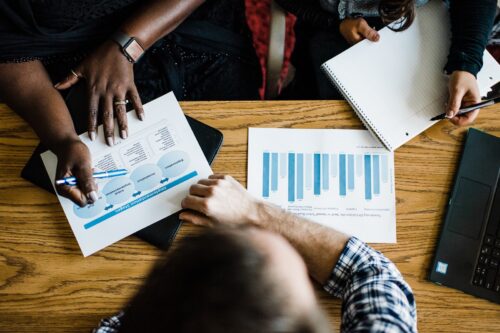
x=97, y=175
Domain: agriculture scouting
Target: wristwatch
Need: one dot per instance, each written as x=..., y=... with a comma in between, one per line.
x=129, y=45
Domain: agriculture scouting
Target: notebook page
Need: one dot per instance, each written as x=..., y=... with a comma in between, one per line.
x=397, y=84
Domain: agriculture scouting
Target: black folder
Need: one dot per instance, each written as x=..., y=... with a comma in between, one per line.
x=160, y=234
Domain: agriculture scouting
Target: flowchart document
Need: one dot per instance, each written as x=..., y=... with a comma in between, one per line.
x=343, y=179
x=163, y=159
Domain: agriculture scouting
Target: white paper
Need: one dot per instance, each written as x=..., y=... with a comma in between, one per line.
x=163, y=158
x=397, y=84
x=343, y=179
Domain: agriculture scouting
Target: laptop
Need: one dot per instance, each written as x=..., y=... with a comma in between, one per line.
x=468, y=253
x=160, y=234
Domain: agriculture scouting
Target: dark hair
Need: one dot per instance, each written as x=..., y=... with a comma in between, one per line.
x=215, y=282
x=394, y=10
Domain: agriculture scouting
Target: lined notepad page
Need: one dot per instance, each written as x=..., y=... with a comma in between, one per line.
x=397, y=84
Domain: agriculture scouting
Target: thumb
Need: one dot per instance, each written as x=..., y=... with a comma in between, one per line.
x=367, y=32
x=454, y=102
x=86, y=183
x=73, y=77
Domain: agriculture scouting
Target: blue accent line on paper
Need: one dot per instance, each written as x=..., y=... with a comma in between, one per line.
x=350, y=172
x=265, y=175
x=141, y=199
x=376, y=175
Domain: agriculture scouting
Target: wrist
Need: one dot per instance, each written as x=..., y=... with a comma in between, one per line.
x=59, y=145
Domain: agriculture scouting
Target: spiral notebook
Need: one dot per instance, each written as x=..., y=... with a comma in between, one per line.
x=397, y=84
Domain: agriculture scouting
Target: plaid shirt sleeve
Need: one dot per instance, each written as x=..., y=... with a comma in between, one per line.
x=109, y=325
x=374, y=294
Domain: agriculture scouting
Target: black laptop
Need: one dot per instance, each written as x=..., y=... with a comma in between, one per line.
x=159, y=234
x=468, y=253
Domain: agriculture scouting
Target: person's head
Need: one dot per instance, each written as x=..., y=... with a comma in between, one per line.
x=394, y=10
x=239, y=280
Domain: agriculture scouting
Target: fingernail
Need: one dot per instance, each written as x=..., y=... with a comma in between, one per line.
x=92, y=197
x=123, y=134
x=449, y=114
x=57, y=85
x=92, y=135
x=142, y=116
x=181, y=216
x=110, y=141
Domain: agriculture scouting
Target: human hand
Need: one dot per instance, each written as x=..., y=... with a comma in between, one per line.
x=110, y=79
x=463, y=91
x=355, y=30
x=219, y=200
x=73, y=159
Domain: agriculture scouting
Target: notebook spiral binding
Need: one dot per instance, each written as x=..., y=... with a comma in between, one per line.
x=368, y=124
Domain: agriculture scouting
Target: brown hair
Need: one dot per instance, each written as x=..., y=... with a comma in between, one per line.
x=394, y=10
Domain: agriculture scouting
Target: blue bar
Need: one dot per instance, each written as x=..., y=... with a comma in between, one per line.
x=282, y=165
x=350, y=172
x=291, y=177
x=317, y=174
x=335, y=164
x=342, y=177
x=265, y=176
x=385, y=169
x=376, y=175
x=368, y=177
x=300, y=176
x=274, y=172
x=326, y=169
x=140, y=200
x=308, y=171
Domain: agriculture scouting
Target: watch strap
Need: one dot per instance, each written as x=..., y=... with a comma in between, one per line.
x=121, y=38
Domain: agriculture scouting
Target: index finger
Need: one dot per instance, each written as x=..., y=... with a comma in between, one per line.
x=73, y=193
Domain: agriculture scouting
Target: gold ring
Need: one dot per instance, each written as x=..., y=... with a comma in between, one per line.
x=123, y=102
x=78, y=76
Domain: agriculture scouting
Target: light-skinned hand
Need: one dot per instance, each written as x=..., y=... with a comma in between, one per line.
x=463, y=91
x=219, y=199
x=354, y=30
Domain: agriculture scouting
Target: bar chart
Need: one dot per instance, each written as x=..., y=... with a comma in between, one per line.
x=316, y=173
x=340, y=178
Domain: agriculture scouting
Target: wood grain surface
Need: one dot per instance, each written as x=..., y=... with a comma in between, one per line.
x=47, y=286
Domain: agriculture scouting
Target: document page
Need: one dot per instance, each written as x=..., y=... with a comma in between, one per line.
x=163, y=159
x=343, y=179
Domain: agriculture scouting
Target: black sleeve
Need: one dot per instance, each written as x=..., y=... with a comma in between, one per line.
x=471, y=24
x=310, y=12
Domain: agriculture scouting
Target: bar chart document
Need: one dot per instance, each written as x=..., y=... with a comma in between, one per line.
x=163, y=158
x=343, y=179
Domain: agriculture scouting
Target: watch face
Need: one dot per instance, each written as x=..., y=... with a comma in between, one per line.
x=134, y=50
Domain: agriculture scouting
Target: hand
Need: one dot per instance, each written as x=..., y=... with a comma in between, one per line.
x=463, y=91
x=73, y=159
x=355, y=30
x=219, y=200
x=110, y=78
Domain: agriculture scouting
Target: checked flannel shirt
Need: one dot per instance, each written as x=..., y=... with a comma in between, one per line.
x=375, y=298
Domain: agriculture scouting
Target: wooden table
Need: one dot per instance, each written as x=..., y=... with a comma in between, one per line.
x=47, y=286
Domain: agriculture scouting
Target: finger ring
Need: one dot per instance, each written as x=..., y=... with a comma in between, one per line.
x=78, y=76
x=122, y=102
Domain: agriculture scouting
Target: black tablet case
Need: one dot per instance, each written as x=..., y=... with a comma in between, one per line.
x=159, y=234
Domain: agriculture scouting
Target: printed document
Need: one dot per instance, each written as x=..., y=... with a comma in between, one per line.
x=342, y=179
x=163, y=158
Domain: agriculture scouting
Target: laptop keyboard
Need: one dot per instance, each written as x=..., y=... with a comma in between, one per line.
x=487, y=272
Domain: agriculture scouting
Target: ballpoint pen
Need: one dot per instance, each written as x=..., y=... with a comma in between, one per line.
x=470, y=108
x=97, y=175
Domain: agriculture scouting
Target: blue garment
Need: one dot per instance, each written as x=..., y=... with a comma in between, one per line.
x=375, y=297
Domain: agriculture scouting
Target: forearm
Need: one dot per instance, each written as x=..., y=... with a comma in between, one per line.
x=157, y=18
x=471, y=24
x=319, y=246
x=27, y=89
